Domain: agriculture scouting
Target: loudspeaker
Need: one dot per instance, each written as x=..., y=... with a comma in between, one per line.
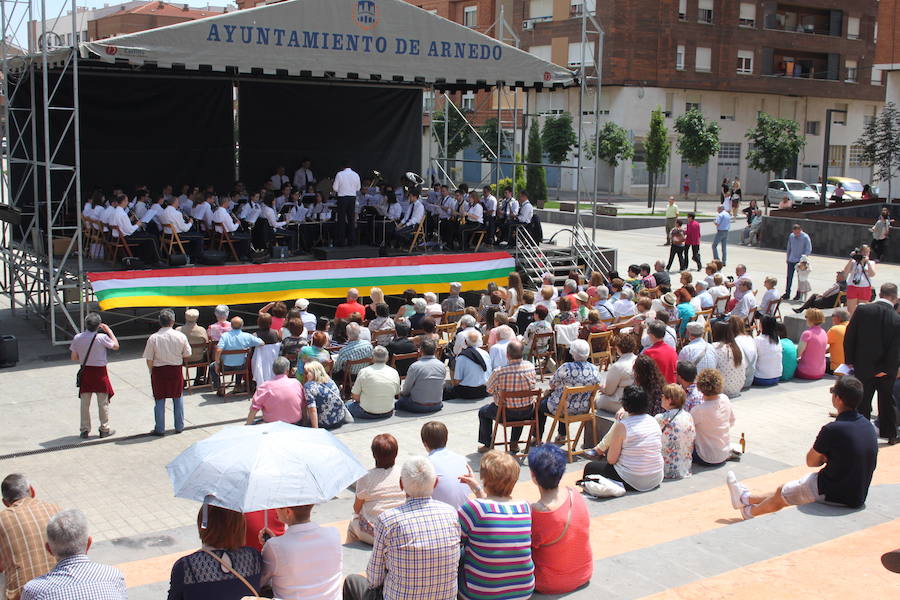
x=133, y=262
x=9, y=351
x=177, y=260
x=259, y=257
x=213, y=258
x=280, y=252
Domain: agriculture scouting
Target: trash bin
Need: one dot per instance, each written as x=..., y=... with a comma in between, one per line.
x=9, y=351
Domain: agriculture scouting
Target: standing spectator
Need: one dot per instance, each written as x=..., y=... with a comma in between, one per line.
x=326, y=408
x=698, y=351
x=692, y=239
x=835, y=336
x=516, y=376
x=723, y=226
x=496, y=534
x=471, y=371
x=713, y=420
x=671, y=217
x=23, y=534
x=678, y=246
x=560, y=526
x=685, y=187
x=448, y=465
x=577, y=373
x=798, y=245
x=75, y=576
x=89, y=348
x=872, y=348
x=768, y=354
x=221, y=325
x=880, y=232
x=619, y=375
x=223, y=567
x=838, y=193
x=423, y=388
x=677, y=427
x=662, y=353
x=196, y=336
x=346, y=186
x=858, y=273
x=416, y=550
x=375, y=388
x=377, y=491
x=811, y=350
x=233, y=339
x=165, y=353
x=352, y=305
x=280, y=398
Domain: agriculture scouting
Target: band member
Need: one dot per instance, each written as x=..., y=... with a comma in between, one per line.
x=150, y=221
x=415, y=212
x=303, y=177
x=172, y=215
x=268, y=215
x=139, y=205
x=184, y=200
x=346, y=184
x=523, y=219
x=512, y=216
x=474, y=222
x=446, y=223
x=250, y=211
x=167, y=196
x=283, y=198
x=203, y=211
x=231, y=223
x=148, y=249
x=502, y=212
x=489, y=202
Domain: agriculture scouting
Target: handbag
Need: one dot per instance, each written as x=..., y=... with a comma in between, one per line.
x=81, y=368
x=240, y=577
x=566, y=528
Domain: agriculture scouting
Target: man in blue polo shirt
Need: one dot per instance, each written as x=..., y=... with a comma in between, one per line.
x=848, y=449
x=723, y=226
x=236, y=339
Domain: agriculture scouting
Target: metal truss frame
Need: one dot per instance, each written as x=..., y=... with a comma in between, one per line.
x=41, y=177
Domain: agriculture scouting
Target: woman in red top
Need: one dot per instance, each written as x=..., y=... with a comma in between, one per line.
x=692, y=239
x=560, y=527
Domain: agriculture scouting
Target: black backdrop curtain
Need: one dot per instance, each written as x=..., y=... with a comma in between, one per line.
x=155, y=130
x=373, y=127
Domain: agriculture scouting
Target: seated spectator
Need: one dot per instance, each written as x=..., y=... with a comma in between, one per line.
x=648, y=377
x=402, y=345
x=280, y=398
x=661, y=274
x=835, y=336
x=577, y=373
x=291, y=344
x=634, y=455
x=429, y=327
x=619, y=375
x=668, y=303
x=788, y=354
x=422, y=528
x=698, y=351
x=663, y=317
x=565, y=314
x=538, y=325
x=265, y=331
x=624, y=306
x=75, y=576
x=233, y=339
x=603, y=305
x=453, y=302
x=377, y=296
x=662, y=353
x=748, y=349
x=687, y=377
x=202, y=574
x=377, y=491
x=703, y=295
x=278, y=312
x=420, y=307
x=828, y=298
x=560, y=526
x=198, y=338
x=471, y=372
x=582, y=306
x=448, y=465
x=685, y=309
x=498, y=350
x=221, y=325
x=846, y=449
x=309, y=320
x=500, y=323
x=747, y=303
x=549, y=296
x=314, y=351
x=352, y=305
x=326, y=408
x=354, y=349
x=729, y=359
x=432, y=308
x=516, y=376
x=812, y=346
x=423, y=388
x=677, y=427
x=466, y=325
x=771, y=298
x=752, y=230
x=494, y=304
x=321, y=570
x=375, y=388
x=768, y=354
x=496, y=534
x=524, y=314
x=382, y=322
x=713, y=420
x=593, y=324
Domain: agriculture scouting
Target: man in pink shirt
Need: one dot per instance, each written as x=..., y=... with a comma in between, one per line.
x=662, y=354
x=351, y=306
x=692, y=239
x=281, y=398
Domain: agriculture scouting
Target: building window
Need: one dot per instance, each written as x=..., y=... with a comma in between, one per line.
x=853, y=28
x=682, y=10
x=812, y=128
x=470, y=16
x=575, y=53
x=836, y=156
x=703, y=60
x=68, y=39
x=576, y=7
x=855, y=157
x=705, y=11
x=851, y=66
x=539, y=9
x=729, y=151
x=670, y=101
x=428, y=102
x=468, y=102
x=729, y=109
x=745, y=62
x=689, y=106
x=747, y=15
x=876, y=76
x=542, y=52
x=679, y=57
x=639, y=174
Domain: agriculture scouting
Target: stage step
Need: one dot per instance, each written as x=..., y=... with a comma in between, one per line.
x=346, y=252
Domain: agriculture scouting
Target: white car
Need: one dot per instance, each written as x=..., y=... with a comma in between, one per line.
x=828, y=191
x=796, y=191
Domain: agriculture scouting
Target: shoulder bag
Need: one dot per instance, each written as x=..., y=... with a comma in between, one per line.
x=566, y=528
x=83, y=362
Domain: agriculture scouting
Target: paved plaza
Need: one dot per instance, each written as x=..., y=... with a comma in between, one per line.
x=682, y=540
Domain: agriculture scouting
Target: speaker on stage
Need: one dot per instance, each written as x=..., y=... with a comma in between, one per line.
x=133, y=262
x=178, y=260
x=9, y=351
x=214, y=258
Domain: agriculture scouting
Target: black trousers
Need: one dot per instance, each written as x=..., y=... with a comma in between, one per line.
x=464, y=392
x=887, y=416
x=817, y=301
x=682, y=253
x=147, y=246
x=488, y=413
x=465, y=233
x=346, y=221
x=878, y=247
x=356, y=587
x=194, y=241
x=695, y=256
x=241, y=241
x=602, y=467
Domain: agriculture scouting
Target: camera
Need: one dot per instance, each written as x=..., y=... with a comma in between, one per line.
x=857, y=255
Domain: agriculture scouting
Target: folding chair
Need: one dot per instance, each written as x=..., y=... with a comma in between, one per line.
x=245, y=371
x=223, y=238
x=116, y=243
x=452, y=316
x=562, y=416
x=601, y=358
x=479, y=235
x=399, y=358
x=169, y=238
x=349, y=376
x=721, y=305
x=447, y=331
x=419, y=234
x=549, y=352
x=565, y=335
x=201, y=363
x=531, y=423
x=840, y=299
x=383, y=333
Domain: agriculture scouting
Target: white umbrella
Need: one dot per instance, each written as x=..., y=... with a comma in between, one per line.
x=264, y=466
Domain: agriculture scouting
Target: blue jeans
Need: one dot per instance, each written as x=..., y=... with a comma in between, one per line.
x=720, y=239
x=159, y=414
x=406, y=403
x=359, y=412
x=214, y=377
x=790, y=277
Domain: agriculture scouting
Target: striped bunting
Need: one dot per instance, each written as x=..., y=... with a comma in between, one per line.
x=248, y=284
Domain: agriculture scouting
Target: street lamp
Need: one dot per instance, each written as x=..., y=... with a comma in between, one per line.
x=825, y=152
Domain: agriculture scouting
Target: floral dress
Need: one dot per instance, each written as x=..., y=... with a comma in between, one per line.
x=573, y=374
x=328, y=402
x=677, y=442
x=733, y=377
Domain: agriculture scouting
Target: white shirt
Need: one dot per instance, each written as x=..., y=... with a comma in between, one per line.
x=475, y=213
x=448, y=203
x=279, y=202
x=298, y=213
x=498, y=354
x=140, y=209
x=512, y=209
x=448, y=466
x=744, y=307
x=185, y=204
x=173, y=216
x=712, y=423
x=460, y=343
x=699, y=353
x=769, y=296
x=223, y=216
x=706, y=299
x=278, y=181
x=490, y=204
x=377, y=385
x=623, y=308
x=152, y=214
x=526, y=212
x=302, y=178
x=768, y=358
x=306, y=563
x=416, y=213
x=203, y=212
x=394, y=212
x=249, y=212
x=268, y=213
x=346, y=183
x=120, y=219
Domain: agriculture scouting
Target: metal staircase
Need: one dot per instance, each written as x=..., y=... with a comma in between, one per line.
x=581, y=254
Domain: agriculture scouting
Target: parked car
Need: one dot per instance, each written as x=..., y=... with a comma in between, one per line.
x=828, y=191
x=798, y=192
x=852, y=187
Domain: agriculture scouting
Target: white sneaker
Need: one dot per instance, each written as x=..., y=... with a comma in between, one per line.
x=737, y=490
x=745, y=512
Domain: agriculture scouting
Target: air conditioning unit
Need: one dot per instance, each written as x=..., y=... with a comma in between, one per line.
x=527, y=25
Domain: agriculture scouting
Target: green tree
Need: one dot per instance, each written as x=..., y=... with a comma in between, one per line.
x=615, y=145
x=536, y=178
x=559, y=138
x=457, y=132
x=657, y=148
x=698, y=139
x=488, y=133
x=774, y=144
x=521, y=183
x=880, y=142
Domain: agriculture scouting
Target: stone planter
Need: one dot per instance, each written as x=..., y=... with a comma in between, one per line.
x=567, y=207
x=608, y=211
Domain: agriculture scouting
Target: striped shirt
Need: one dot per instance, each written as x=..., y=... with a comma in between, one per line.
x=517, y=376
x=496, y=561
x=23, y=529
x=641, y=463
x=77, y=578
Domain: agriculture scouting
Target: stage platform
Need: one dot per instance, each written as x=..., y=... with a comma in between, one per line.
x=348, y=252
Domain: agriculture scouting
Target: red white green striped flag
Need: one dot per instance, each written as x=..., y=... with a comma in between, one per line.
x=249, y=284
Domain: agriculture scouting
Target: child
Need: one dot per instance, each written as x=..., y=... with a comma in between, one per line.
x=803, y=270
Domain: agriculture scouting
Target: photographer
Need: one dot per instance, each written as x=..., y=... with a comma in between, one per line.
x=880, y=232
x=859, y=272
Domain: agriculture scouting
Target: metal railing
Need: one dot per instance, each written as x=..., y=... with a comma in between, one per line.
x=531, y=255
x=587, y=252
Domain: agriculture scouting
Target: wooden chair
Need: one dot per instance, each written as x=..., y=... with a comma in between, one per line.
x=383, y=333
x=410, y=356
x=349, y=376
x=118, y=242
x=501, y=421
x=447, y=331
x=840, y=299
x=418, y=235
x=479, y=235
x=169, y=239
x=601, y=358
x=452, y=317
x=201, y=363
x=721, y=305
x=654, y=292
x=222, y=238
x=540, y=358
x=562, y=416
x=245, y=371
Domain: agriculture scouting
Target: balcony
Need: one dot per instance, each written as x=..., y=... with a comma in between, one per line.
x=801, y=19
x=802, y=65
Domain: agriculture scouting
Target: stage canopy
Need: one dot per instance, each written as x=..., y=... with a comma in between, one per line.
x=380, y=40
